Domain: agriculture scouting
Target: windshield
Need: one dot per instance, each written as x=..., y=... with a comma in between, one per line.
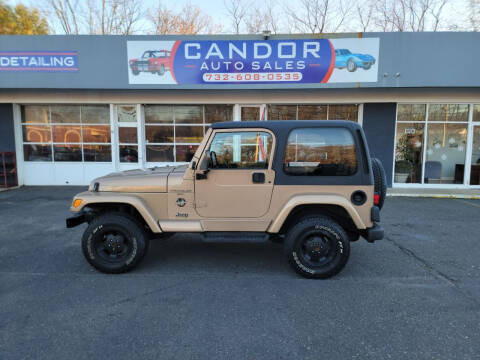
x=155, y=54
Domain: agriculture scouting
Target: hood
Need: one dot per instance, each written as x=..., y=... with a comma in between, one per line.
x=139, y=180
x=364, y=57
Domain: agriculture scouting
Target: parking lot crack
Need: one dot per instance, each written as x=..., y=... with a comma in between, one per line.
x=435, y=272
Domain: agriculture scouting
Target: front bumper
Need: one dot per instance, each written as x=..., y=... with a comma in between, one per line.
x=77, y=219
x=374, y=233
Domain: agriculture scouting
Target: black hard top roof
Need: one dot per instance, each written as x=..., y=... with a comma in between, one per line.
x=283, y=125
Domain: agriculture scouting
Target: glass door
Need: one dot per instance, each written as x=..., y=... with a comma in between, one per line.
x=126, y=119
x=475, y=157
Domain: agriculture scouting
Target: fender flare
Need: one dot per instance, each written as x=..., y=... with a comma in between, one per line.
x=315, y=200
x=90, y=198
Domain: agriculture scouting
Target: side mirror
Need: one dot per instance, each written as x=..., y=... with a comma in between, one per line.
x=205, y=162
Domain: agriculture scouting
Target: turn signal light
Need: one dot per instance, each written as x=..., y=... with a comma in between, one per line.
x=376, y=199
x=77, y=202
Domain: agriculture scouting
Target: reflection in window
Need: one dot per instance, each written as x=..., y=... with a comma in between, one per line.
x=282, y=112
x=242, y=149
x=160, y=153
x=184, y=153
x=128, y=153
x=476, y=112
x=36, y=152
x=96, y=133
x=127, y=113
x=158, y=114
x=37, y=133
x=446, y=146
x=312, y=112
x=409, y=152
x=343, y=112
x=218, y=113
x=169, y=126
x=188, y=134
x=127, y=135
x=411, y=112
x=250, y=113
x=97, y=153
x=189, y=114
x=320, y=152
x=448, y=112
x=65, y=114
x=88, y=123
x=67, y=152
x=67, y=134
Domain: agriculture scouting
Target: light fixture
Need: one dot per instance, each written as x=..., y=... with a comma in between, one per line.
x=266, y=34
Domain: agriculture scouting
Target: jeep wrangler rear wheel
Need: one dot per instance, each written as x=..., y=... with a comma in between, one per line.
x=114, y=243
x=317, y=247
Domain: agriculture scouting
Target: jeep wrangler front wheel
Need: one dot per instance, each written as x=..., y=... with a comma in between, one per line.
x=114, y=243
x=317, y=247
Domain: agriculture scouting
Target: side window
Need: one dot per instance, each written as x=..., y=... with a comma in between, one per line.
x=320, y=152
x=242, y=150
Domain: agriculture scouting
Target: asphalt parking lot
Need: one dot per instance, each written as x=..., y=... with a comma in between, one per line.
x=414, y=295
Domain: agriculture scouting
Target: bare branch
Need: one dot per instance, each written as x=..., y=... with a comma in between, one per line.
x=236, y=11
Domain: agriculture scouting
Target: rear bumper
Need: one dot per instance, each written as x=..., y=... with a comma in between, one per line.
x=374, y=233
x=76, y=219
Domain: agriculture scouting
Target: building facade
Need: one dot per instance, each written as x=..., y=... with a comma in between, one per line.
x=77, y=107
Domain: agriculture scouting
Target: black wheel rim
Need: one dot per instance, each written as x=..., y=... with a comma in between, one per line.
x=318, y=249
x=113, y=246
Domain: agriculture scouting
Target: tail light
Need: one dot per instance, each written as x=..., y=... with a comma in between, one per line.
x=376, y=199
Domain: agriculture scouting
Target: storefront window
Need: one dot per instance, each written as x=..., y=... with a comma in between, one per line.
x=445, y=160
x=444, y=129
x=313, y=112
x=173, y=132
x=476, y=112
x=60, y=132
x=409, y=152
x=475, y=167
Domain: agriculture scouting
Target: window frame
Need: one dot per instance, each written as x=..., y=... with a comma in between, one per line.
x=355, y=143
x=216, y=131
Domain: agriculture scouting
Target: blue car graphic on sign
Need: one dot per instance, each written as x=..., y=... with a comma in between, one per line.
x=345, y=59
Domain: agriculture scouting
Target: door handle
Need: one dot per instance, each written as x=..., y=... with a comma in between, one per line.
x=258, y=177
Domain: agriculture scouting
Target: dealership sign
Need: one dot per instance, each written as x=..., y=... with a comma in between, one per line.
x=38, y=61
x=306, y=61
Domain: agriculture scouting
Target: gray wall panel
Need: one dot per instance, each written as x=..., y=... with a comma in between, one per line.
x=7, y=137
x=420, y=59
x=379, y=127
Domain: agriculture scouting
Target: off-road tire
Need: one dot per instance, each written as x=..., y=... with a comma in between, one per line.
x=380, y=180
x=313, y=227
x=133, y=236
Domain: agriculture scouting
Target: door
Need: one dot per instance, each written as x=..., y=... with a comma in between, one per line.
x=128, y=155
x=239, y=181
x=475, y=156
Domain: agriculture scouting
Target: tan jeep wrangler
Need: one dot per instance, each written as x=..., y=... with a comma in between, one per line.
x=309, y=184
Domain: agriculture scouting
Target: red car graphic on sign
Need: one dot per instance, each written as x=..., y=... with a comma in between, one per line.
x=153, y=61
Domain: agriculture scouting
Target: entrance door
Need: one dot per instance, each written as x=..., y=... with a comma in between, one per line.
x=240, y=183
x=128, y=155
x=475, y=164
x=252, y=112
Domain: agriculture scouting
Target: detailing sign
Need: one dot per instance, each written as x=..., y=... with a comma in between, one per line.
x=307, y=61
x=39, y=61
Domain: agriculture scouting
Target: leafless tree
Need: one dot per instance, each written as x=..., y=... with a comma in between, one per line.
x=118, y=17
x=190, y=20
x=317, y=16
x=260, y=18
x=474, y=14
x=236, y=11
x=409, y=15
x=365, y=11
x=66, y=13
